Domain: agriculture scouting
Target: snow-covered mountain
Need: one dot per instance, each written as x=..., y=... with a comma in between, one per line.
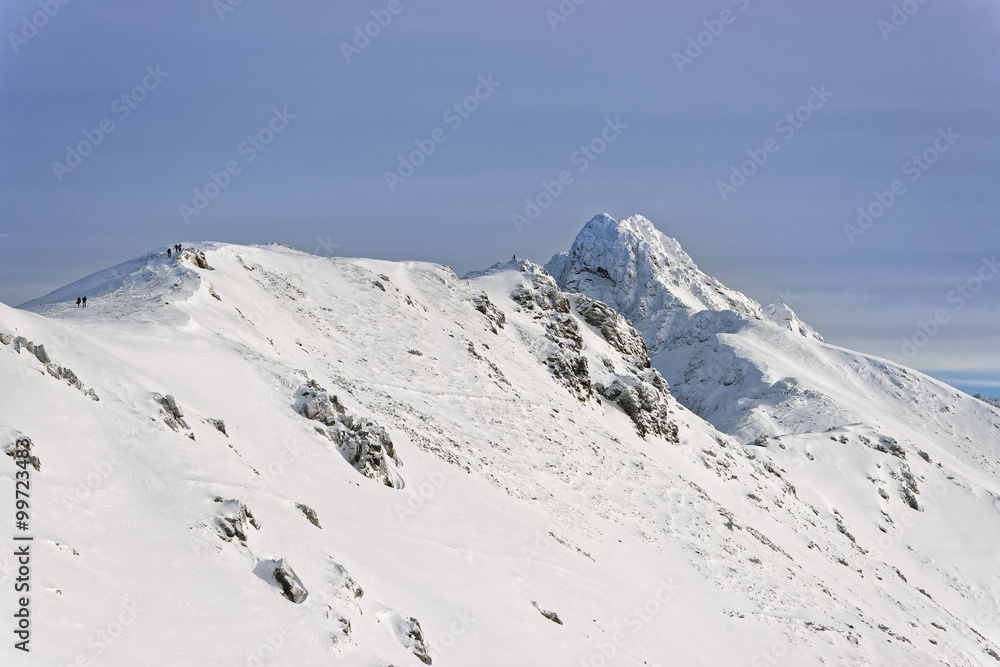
x=249, y=456
x=995, y=402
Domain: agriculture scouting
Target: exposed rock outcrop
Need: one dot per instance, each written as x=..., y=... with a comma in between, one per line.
x=541, y=297
x=494, y=315
x=173, y=416
x=310, y=514
x=291, y=587
x=232, y=520
x=613, y=327
x=197, y=257
x=366, y=445
x=645, y=403
x=55, y=370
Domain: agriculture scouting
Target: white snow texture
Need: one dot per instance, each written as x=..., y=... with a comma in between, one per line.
x=262, y=457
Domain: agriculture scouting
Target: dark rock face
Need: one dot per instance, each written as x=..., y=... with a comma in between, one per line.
x=366, y=445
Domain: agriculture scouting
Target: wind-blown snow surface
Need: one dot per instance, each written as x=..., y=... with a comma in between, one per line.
x=517, y=493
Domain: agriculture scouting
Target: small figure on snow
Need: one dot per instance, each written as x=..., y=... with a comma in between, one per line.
x=77, y=302
x=168, y=251
x=84, y=302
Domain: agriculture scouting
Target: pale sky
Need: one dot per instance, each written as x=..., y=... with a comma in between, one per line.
x=161, y=95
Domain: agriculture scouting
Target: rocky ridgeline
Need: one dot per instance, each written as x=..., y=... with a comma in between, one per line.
x=540, y=296
x=366, y=445
x=55, y=370
x=641, y=392
x=995, y=402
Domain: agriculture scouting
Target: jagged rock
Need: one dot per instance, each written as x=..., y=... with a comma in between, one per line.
x=94, y=397
x=645, y=404
x=543, y=293
x=366, y=445
x=233, y=519
x=291, y=587
x=197, y=258
x=615, y=328
x=26, y=444
x=170, y=403
x=219, y=425
x=495, y=316
x=310, y=514
x=19, y=342
x=6, y=338
x=324, y=408
x=572, y=371
x=40, y=353
x=563, y=330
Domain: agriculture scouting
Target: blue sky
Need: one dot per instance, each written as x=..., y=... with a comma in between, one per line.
x=320, y=184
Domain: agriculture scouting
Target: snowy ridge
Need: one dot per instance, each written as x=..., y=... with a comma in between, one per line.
x=995, y=402
x=481, y=457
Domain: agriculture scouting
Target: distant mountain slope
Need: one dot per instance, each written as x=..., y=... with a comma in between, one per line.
x=751, y=371
x=305, y=461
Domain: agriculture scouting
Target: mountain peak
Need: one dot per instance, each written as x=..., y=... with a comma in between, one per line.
x=641, y=271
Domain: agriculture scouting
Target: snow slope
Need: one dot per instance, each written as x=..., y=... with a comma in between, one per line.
x=499, y=453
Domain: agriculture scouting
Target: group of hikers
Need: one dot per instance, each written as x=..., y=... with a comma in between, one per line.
x=177, y=248
x=81, y=301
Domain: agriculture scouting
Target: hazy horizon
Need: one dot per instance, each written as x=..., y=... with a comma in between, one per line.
x=751, y=132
